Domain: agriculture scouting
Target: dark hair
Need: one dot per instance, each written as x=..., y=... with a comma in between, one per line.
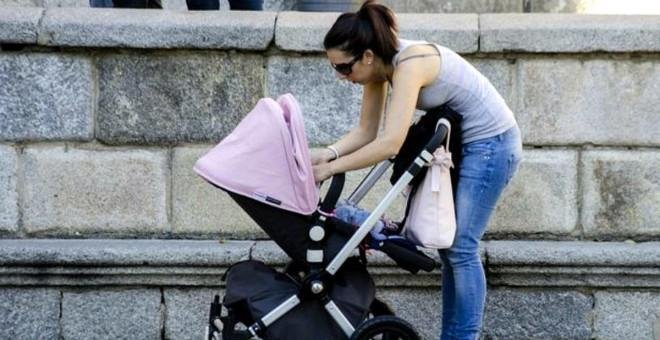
x=372, y=27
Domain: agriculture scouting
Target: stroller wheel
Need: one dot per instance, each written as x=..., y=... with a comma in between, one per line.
x=385, y=327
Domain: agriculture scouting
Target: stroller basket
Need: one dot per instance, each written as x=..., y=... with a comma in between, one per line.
x=326, y=293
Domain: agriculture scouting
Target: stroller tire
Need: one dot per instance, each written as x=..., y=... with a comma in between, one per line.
x=387, y=327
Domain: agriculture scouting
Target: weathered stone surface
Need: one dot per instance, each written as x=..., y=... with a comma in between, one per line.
x=626, y=315
x=176, y=97
x=502, y=74
x=529, y=314
x=542, y=197
x=279, y=5
x=564, y=102
x=187, y=312
x=568, y=33
x=45, y=97
x=70, y=191
x=21, y=3
x=199, y=208
x=330, y=106
x=157, y=28
x=19, y=25
x=621, y=192
x=8, y=189
x=304, y=31
x=112, y=314
x=454, y=6
x=421, y=307
x=29, y=313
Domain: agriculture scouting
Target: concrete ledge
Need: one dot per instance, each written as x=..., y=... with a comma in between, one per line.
x=569, y=33
x=156, y=28
x=300, y=31
x=582, y=264
x=19, y=25
x=32, y=262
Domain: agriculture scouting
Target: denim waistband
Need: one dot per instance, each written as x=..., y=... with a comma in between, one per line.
x=512, y=134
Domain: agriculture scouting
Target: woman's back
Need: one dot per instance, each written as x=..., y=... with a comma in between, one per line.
x=465, y=90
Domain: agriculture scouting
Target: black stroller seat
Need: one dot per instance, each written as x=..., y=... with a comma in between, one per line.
x=326, y=291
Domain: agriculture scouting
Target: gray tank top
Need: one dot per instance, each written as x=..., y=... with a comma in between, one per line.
x=466, y=91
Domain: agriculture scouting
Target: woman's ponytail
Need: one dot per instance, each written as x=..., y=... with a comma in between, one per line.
x=372, y=27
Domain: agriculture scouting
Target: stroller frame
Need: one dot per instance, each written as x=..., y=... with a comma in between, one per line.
x=316, y=283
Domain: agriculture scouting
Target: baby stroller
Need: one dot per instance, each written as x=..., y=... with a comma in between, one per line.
x=326, y=291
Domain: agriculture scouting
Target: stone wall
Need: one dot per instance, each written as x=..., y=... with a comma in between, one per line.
x=103, y=113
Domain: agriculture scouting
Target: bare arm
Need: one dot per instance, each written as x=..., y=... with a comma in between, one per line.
x=407, y=81
x=373, y=105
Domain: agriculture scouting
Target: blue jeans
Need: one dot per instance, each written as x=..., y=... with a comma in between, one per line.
x=486, y=168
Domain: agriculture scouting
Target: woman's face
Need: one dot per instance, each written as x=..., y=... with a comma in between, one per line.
x=356, y=69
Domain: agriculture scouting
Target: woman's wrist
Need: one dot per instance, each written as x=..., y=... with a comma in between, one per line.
x=333, y=152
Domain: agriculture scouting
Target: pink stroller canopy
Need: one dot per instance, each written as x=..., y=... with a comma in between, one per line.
x=266, y=158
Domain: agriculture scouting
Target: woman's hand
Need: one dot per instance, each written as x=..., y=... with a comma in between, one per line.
x=322, y=171
x=320, y=155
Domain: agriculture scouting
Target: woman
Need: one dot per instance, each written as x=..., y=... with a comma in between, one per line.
x=363, y=48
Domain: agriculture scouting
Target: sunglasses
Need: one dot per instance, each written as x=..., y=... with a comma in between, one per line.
x=346, y=68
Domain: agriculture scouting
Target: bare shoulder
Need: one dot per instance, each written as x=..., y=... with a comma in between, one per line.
x=421, y=62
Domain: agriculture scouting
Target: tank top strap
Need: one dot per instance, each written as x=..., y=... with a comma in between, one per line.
x=407, y=43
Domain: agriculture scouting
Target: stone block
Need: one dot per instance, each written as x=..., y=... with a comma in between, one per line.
x=304, y=31
x=19, y=25
x=140, y=28
x=112, y=314
x=502, y=74
x=626, y=315
x=199, y=208
x=621, y=192
x=422, y=307
x=531, y=314
x=330, y=107
x=542, y=197
x=187, y=312
x=280, y=5
x=8, y=190
x=45, y=97
x=20, y=3
x=454, y=6
x=29, y=313
x=176, y=97
x=564, y=102
x=95, y=192
x=531, y=32
x=459, y=32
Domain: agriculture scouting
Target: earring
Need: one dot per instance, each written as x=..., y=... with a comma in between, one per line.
x=369, y=62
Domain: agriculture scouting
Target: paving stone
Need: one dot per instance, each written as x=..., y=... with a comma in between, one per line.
x=419, y=306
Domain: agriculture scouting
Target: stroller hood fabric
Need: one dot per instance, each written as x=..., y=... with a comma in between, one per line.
x=266, y=158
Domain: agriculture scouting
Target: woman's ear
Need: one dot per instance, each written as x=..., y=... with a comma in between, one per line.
x=368, y=56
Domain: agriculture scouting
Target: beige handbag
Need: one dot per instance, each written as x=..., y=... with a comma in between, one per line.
x=431, y=221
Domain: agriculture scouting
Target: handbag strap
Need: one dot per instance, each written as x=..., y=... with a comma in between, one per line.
x=446, y=123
